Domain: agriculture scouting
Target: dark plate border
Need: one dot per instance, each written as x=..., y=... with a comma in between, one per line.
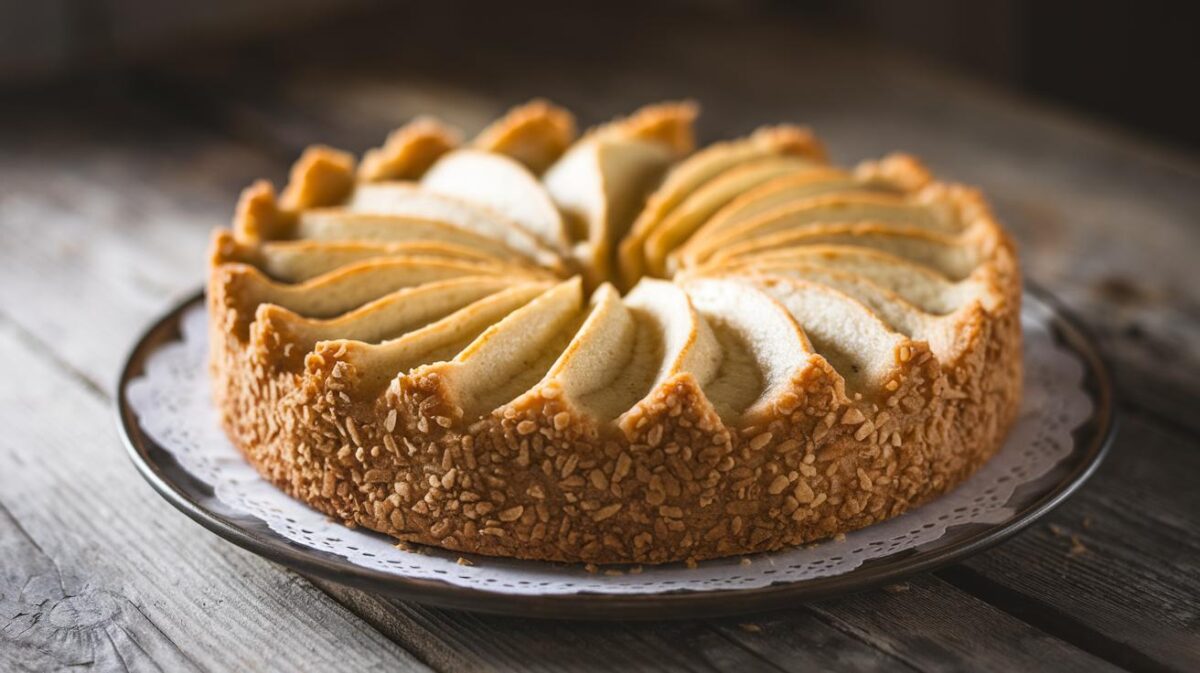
x=1092, y=442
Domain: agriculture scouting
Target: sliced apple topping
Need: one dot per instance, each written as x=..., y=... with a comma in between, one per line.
x=503, y=185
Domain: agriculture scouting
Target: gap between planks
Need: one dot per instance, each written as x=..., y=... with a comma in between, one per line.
x=1134, y=521
x=935, y=627
x=41, y=347
x=1052, y=620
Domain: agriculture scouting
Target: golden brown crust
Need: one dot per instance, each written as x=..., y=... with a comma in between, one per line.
x=322, y=176
x=535, y=134
x=668, y=124
x=257, y=216
x=409, y=151
x=539, y=478
x=902, y=170
x=794, y=140
x=673, y=483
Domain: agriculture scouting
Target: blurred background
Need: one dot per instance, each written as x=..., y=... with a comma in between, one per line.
x=127, y=127
x=1133, y=64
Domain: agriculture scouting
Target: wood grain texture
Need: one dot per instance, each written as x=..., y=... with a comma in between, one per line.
x=54, y=621
x=459, y=641
x=94, y=570
x=1116, y=567
x=98, y=568
x=934, y=627
x=929, y=626
x=106, y=217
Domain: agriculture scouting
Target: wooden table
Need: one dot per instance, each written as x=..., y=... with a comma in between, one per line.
x=108, y=190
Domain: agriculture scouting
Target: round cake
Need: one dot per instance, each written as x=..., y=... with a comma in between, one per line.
x=613, y=348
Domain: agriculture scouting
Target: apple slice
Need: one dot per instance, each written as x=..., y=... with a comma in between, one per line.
x=695, y=210
x=918, y=284
x=589, y=364
x=510, y=356
x=859, y=205
x=600, y=184
x=861, y=347
x=698, y=169
x=502, y=185
x=376, y=365
x=763, y=349
x=673, y=339
x=339, y=224
x=603, y=180
x=388, y=317
x=409, y=199
x=952, y=256
x=339, y=291
x=767, y=197
x=298, y=261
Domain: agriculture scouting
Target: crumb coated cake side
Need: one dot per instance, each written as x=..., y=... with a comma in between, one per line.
x=814, y=350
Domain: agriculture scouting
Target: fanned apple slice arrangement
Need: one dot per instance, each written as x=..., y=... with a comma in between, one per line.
x=613, y=348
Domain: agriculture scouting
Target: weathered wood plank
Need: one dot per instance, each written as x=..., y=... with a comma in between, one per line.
x=798, y=641
x=53, y=622
x=933, y=627
x=98, y=571
x=458, y=641
x=103, y=221
x=1115, y=568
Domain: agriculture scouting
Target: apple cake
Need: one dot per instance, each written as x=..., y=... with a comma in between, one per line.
x=612, y=348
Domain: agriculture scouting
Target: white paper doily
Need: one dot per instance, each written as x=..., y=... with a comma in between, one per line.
x=173, y=404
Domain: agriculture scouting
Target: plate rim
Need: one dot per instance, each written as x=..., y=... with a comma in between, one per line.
x=1100, y=428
